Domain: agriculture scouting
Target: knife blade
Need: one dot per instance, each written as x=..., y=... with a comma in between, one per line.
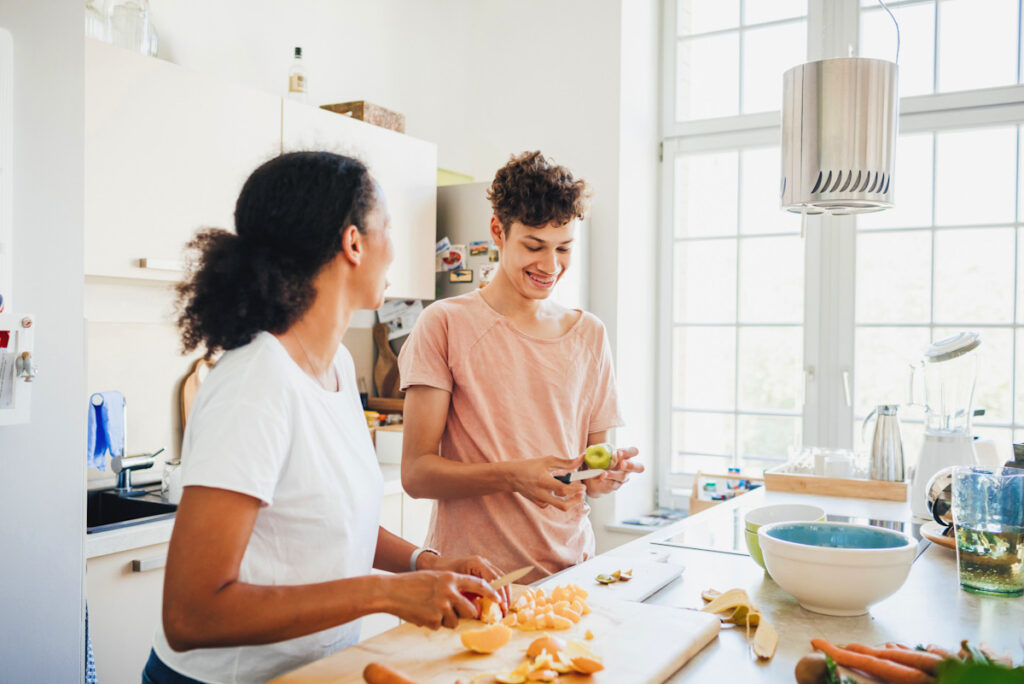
x=578, y=475
x=510, y=577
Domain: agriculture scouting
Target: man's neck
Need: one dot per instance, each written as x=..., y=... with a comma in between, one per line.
x=506, y=300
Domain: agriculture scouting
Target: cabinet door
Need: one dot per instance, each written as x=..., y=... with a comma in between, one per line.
x=416, y=515
x=166, y=152
x=124, y=609
x=406, y=169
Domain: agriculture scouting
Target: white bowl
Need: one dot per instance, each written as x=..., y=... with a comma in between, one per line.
x=836, y=568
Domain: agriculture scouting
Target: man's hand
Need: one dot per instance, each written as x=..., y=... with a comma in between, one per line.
x=615, y=477
x=534, y=478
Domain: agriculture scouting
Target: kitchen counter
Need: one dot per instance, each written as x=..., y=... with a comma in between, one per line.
x=929, y=608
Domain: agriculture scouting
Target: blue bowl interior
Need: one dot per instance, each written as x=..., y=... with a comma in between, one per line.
x=837, y=536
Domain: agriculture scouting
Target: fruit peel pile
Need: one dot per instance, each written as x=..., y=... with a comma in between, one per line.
x=734, y=607
x=535, y=610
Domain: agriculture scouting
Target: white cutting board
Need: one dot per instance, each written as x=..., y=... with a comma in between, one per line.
x=648, y=577
x=639, y=644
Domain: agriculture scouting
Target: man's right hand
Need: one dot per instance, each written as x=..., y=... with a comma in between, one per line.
x=534, y=478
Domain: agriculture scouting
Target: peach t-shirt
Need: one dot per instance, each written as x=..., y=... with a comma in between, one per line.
x=513, y=396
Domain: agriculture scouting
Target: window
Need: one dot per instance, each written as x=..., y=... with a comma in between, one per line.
x=745, y=299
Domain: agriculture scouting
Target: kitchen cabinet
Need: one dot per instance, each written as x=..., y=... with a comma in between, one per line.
x=166, y=153
x=124, y=591
x=405, y=168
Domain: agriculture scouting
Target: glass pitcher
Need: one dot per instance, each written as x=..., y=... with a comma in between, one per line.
x=950, y=369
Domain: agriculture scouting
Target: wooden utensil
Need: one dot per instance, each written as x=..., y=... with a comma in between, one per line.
x=932, y=531
x=190, y=386
x=385, y=371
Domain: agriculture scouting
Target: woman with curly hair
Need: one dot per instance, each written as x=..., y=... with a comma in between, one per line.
x=278, y=528
x=513, y=387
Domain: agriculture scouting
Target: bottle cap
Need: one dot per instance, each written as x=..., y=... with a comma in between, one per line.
x=298, y=52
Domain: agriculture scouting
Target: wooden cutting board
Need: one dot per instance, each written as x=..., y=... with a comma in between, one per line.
x=639, y=644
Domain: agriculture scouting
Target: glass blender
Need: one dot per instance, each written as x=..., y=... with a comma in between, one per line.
x=950, y=369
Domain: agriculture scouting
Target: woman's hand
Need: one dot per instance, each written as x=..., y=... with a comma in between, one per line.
x=466, y=565
x=434, y=598
x=616, y=476
x=534, y=478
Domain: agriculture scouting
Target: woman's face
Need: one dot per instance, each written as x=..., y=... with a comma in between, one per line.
x=380, y=252
x=534, y=259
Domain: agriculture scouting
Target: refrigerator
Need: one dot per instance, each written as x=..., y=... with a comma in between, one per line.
x=464, y=217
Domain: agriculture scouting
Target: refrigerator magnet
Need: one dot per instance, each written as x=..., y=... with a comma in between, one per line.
x=460, y=275
x=487, y=271
x=452, y=259
x=492, y=253
x=479, y=248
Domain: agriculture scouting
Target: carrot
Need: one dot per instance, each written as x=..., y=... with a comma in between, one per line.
x=893, y=644
x=877, y=667
x=375, y=673
x=939, y=651
x=927, y=662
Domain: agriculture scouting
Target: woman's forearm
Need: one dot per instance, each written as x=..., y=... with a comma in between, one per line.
x=246, y=614
x=429, y=476
x=393, y=553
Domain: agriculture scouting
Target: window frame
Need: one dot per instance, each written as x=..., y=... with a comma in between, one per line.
x=830, y=242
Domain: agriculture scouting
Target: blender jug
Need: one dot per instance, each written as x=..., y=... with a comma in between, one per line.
x=949, y=369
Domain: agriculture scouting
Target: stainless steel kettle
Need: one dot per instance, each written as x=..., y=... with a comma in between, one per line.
x=886, y=446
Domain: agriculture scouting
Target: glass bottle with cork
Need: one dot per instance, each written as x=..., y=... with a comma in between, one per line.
x=297, y=81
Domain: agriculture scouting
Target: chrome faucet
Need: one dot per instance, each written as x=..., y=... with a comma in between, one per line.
x=124, y=465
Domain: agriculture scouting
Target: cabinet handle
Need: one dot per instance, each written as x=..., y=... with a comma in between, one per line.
x=147, y=564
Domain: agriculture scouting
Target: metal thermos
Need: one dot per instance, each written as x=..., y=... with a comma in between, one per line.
x=886, y=446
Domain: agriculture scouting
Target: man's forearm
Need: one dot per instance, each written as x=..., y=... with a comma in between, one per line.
x=431, y=477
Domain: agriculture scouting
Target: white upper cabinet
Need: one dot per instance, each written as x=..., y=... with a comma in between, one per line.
x=406, y=169
x=166, y=153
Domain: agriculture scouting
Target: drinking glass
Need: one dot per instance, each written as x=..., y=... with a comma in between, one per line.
x=988, y=515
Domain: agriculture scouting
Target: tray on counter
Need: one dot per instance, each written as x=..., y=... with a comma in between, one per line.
x=783, y=478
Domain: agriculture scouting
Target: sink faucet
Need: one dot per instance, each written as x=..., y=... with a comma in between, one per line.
x=124, y=465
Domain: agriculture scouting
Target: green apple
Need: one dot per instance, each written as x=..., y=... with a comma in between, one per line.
x=599, y=456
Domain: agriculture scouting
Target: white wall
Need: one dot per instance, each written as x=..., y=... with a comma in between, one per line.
x=42, y=490
x=576, y=79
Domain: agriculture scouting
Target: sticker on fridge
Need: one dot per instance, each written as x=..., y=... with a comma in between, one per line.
x=460, y=275
x=454, y=257
x=479, y=248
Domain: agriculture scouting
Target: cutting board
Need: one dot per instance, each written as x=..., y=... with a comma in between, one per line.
x=648, y=577
x=639, y=644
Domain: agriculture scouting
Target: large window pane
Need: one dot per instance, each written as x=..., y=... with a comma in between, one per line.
x=912, y=187
x=703, y=93
x=977, y=44
x=882, y=357
x=994, y=388
x=704, y=362
x=769, y=368
x=767, y=437
x=759, y=194
x=705, y=281
x=976, y=176
x=767, y=53
x=772, y=280
x=702, y=16
x=703, y=433
x=917, y=43
x=894, y=277
x=757, y=11
x=974, y=275
x=706, y=194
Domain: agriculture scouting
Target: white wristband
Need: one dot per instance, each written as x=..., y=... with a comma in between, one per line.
x=416, y=555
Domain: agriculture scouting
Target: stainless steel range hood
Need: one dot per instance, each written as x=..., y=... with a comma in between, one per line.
x=839, y=119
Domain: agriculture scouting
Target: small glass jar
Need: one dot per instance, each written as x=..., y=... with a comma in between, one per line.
x=170, y=481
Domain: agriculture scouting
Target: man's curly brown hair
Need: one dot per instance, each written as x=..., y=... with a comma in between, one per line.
x=535, y=192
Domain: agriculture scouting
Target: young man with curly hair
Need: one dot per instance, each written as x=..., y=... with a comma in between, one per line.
x=505, y=388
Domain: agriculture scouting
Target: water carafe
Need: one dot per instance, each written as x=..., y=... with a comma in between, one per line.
x=886, y=445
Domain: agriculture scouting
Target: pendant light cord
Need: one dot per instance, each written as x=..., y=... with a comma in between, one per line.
x=886, y=8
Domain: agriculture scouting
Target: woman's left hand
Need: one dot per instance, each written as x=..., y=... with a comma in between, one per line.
x=466, y=565
x=616, y=476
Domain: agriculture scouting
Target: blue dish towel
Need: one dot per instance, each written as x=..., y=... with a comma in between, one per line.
x=106, y=428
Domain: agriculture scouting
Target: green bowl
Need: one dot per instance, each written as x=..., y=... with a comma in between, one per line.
x=757, y=517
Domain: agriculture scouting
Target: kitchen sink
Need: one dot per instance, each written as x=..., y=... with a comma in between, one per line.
x=106, y=510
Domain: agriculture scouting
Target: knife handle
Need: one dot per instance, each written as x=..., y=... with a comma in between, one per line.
x=565, y=479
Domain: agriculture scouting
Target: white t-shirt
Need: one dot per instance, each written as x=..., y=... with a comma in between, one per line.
x=263, y=427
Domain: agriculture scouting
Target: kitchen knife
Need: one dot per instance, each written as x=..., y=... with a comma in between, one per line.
x=579, y=475
x=510, y=577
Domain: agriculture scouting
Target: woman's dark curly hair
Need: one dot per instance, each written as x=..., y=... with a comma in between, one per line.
x=290, y=218
x=533, y=191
